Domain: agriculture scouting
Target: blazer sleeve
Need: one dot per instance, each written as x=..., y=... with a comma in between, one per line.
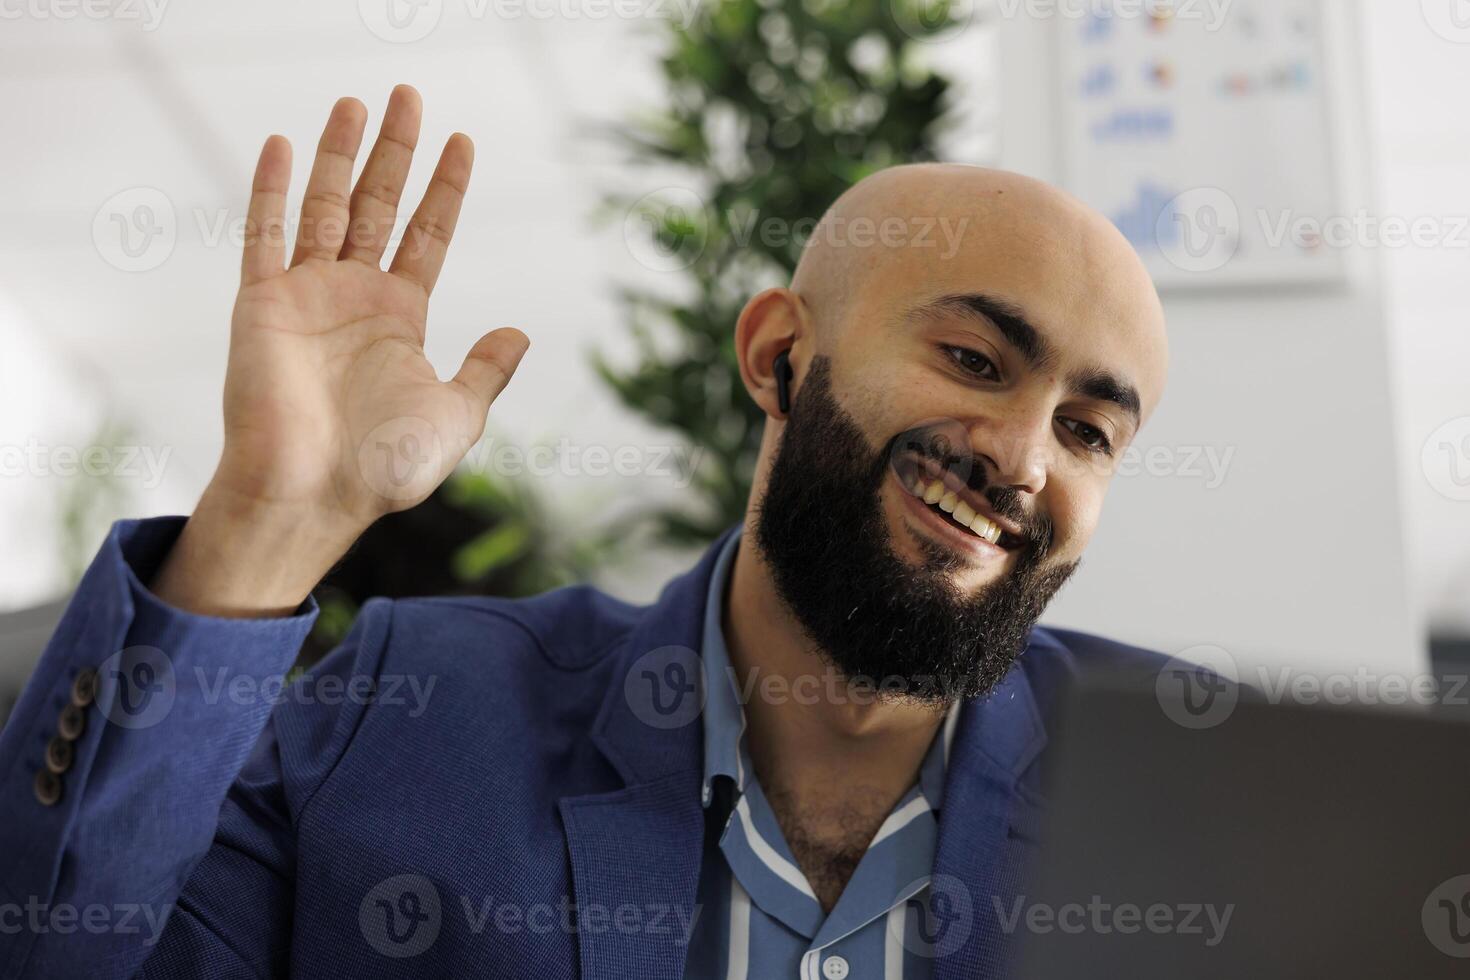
x=146, y=815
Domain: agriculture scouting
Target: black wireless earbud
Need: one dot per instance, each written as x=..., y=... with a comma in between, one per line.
x=784, y=374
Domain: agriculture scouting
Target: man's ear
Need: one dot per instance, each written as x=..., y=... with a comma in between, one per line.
x=774, y=322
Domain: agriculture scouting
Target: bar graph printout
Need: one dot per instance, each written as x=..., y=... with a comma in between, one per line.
x=1203, y=130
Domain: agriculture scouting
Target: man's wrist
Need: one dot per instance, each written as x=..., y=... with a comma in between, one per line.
x=236, y=558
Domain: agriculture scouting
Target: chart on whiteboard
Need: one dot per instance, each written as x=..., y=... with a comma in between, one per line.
x=1203, y=131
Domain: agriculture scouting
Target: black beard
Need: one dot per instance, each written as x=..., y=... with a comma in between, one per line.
x=898, y=630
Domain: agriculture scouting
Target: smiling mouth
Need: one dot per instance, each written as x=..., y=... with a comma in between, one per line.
x=919, y=481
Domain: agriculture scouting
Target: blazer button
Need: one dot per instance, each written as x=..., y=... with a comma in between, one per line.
x=84, y=688
x=71, y=723
x=48, y=787
x=58, y=755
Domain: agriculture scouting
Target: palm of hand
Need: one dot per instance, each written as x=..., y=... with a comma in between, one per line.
x=330, y=403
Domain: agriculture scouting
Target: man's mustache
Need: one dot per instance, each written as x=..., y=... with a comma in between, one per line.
x=954, y=456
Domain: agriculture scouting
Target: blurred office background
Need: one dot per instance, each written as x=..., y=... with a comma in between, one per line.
x=1307, y=503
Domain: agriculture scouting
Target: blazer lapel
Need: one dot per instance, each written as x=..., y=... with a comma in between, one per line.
x=635, y=852
x=635, y=858
x=999, y=736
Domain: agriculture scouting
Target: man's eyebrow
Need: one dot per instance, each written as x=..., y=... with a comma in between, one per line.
x=1095, y=383
x=1007, y=317
x=1101, y=385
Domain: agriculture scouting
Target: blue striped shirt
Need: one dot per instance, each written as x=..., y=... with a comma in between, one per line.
x=759, y=917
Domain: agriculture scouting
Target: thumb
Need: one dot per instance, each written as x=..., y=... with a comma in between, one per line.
x=490, y=363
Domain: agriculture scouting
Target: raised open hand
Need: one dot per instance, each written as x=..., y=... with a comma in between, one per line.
x=330, y=405
x=333, y=416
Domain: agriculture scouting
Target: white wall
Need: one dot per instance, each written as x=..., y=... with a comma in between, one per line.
x=47, y=408
x=1420, y=67
x=1296, y=558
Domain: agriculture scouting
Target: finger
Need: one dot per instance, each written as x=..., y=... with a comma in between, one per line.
x=420, y=255
x=380, y=185
x=325, y=209
x=265, y=223
x=490, y=363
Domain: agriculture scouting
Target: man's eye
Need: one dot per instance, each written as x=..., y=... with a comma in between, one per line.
x=971, y=361
x=1092, y=437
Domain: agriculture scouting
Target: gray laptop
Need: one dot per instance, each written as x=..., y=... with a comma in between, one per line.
x=1262, y=842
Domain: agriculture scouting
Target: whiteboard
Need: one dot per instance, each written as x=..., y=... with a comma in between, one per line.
x=1203, y=132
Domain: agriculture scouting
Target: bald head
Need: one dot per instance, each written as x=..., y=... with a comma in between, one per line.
x=946, y=305
x=923, y=232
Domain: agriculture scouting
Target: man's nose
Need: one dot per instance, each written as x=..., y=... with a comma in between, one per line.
x=1016, y=444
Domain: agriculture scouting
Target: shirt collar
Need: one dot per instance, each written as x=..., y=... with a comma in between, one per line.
x=724, y=716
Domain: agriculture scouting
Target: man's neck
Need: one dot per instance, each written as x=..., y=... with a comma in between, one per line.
x=832, y=759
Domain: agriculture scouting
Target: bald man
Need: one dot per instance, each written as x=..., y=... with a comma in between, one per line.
x=816, y=755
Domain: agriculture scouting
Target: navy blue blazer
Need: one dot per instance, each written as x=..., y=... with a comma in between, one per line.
x=168, y=809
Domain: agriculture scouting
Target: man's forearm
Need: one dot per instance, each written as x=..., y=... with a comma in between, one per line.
x=147, y=751
x=236, y=559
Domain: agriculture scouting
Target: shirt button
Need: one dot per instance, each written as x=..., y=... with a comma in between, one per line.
x=834, y=968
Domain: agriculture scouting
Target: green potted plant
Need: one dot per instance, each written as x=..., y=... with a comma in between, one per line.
x=775, y=107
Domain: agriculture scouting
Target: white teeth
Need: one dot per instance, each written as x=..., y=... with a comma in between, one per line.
x=937, y=495
x=990, y=532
